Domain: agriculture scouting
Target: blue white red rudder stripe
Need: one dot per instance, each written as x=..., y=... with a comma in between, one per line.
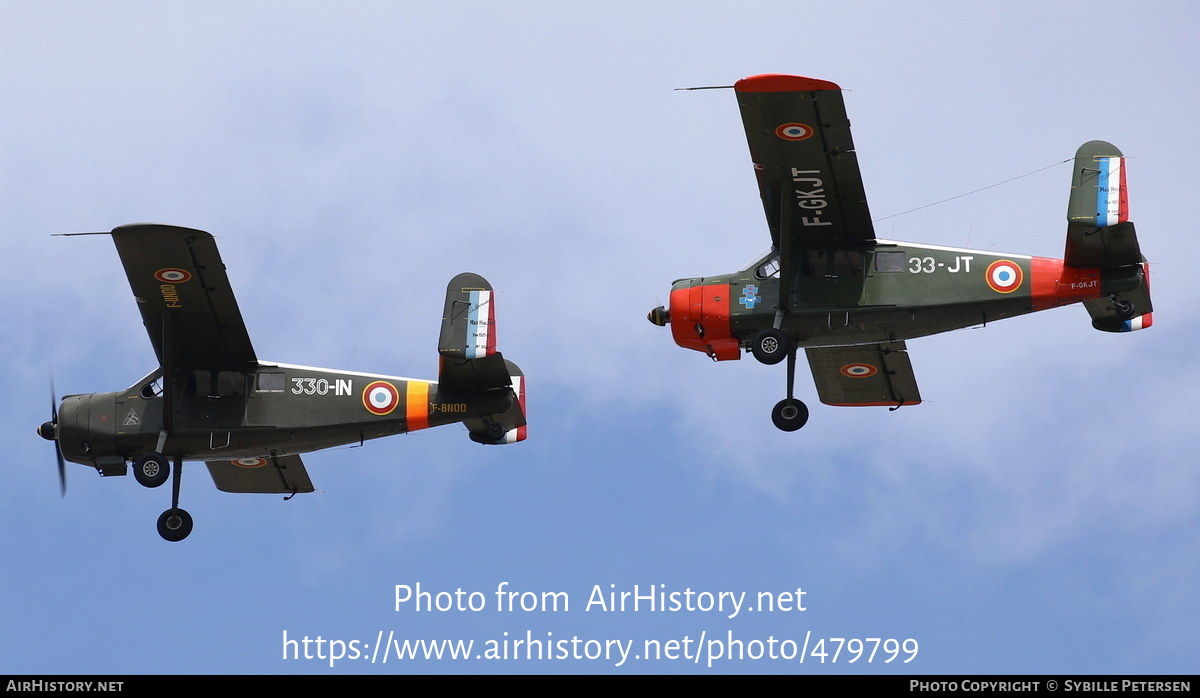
x=481, y=325
x=1112, y=205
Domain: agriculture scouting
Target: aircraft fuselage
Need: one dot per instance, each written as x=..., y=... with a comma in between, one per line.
x=884, y=293
x=265, y=409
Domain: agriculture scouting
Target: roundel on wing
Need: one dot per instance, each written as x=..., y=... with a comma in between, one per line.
x=1004, y=276
x=249, y=462
x=858, y=370
x=794, y=131
x=172, y=275
x=380, y=397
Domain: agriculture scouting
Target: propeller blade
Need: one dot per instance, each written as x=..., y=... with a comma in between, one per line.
x=62, y=472
x=62, y=465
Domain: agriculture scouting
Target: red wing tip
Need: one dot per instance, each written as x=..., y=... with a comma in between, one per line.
x=774, y=82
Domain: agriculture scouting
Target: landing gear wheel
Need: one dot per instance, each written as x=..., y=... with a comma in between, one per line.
x=770, y=346
x=1125, y=309
x=790, y=415
x=496, y=431
x=151, y=469
x=174, y=525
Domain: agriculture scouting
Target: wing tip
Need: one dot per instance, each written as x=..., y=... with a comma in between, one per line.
x=777, y=82
x=883, y=403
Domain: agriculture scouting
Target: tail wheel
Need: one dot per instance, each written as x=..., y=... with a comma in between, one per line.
x=151, y=469
x=789, y=415
x=174, y=524
x=770, y=346
x=1124, y=309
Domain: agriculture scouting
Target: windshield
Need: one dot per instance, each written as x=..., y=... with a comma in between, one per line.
x=151, y=385
x=766, y=264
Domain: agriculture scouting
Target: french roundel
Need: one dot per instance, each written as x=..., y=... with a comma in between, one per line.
x=858, y=370
x=794, y=132
x=1004, y=276
x=380, y=397
x=172, y=276
x=249, y=462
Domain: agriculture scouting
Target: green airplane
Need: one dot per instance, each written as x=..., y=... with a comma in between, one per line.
x=212, y=399
x=851, y=300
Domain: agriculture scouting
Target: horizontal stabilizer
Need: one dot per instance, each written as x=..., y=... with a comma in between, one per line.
x=465, y=376
x=507, y=427
x=1126, y=311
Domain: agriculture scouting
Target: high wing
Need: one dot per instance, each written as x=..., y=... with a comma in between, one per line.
x=808, y=176
x=186, y=302
x=866, y=375
x=270, y=475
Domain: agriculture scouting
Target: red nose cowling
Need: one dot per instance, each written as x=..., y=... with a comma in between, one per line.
x=699, y=318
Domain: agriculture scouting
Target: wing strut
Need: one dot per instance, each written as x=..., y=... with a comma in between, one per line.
x=785, y=271
x=168, y=379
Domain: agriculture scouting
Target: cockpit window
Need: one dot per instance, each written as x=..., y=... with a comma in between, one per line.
x=766, y=265
x=152, y=388
x=768, y=269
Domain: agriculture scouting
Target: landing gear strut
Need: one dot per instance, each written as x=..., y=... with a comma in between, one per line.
x=174, y=524
x=790, y=414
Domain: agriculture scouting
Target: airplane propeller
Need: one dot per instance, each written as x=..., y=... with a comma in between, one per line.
x=49, y=431
x=659, y=316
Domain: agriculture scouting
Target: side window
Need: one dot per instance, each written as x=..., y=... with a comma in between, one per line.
x=831, y=263
x=198, y=382
x=230, y=383
x=889, y=261
x=271, y=383
x=768, y=269
x=152, y=389
x=226, y=384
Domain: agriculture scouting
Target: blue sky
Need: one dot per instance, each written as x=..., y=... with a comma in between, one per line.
x=1036, y=515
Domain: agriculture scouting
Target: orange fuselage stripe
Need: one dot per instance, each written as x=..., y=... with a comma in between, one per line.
x=417, y=405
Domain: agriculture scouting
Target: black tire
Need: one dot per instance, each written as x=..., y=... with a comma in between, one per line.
x=770, y=346
x=174, y=525
x=1124, y=309
x=789, y=415
x=151, y=469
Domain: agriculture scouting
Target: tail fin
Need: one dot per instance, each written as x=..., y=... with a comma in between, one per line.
x=469, y=319
x=471, y=365
x=1101, y=236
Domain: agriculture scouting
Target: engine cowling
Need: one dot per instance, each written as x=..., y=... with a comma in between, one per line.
x=699, y=316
